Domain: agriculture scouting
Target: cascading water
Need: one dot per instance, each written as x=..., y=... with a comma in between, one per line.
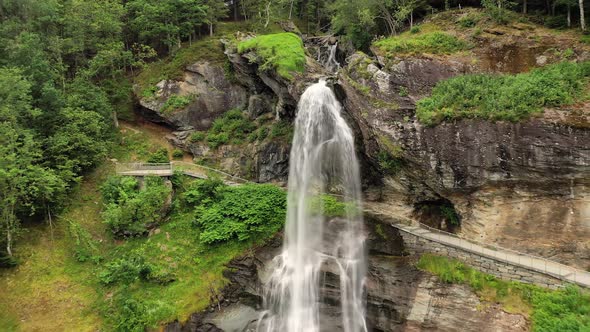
x=332, y=64
x=322, y=161
x=328, y=57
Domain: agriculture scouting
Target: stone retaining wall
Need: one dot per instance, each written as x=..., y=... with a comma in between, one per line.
x=494, y=266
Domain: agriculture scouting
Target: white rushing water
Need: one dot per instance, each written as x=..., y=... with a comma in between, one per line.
x=322, y=160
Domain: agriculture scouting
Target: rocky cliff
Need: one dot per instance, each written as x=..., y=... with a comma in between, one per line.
x=521, y=185
x=399, y=297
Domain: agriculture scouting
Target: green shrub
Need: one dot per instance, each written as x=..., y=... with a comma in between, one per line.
x=389, y=164
x=85, y=247
x=250, y=211
x=282, y=52
x=125, y=270
x=118, y=188
x=467, y=22
x=565, y=310
x=430, y=42
x=175, y=102
x=233, y=127
x=130, y=314
x=203, y=192
x=159, y=157
x=415, y=29
x=331, y=207
x=282, y=129
x=555, y=22
x=403, y=91
x=149, y=93
x=177, y=154
x=130, y=212
x=215, y=140
x=450, y=215
x=504, y=97
x=198, y=136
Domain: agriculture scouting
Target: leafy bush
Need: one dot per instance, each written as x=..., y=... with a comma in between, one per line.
x=130, y=314
x=197, y=136
x=430, y=42
x=129, y=212
x=160, y=156
x=232, y=127
x=565, y=310
x=389, y=164
x=331, y=207
x=504, y=97
x=555, y=22
x=215, y=140
x=175, y=102
x=85, y=247
x=282, y=129
x=203, y=191
x=177, y=154
x=415, y=29
x=403, y=91
x=125, y=270
x=467, y=22
x=250, y=211
x=282, y=52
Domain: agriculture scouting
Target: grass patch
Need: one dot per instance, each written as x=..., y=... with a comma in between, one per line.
x=505, y=97
x=562, y=310
x=432, y=42
x=282, y=52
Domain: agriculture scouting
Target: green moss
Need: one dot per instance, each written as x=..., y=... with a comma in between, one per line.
x=562, y=310
x=505, y=97
x=435, y=42
x=282, y=52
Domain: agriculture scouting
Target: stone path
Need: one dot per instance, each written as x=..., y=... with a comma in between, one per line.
x=538, y=264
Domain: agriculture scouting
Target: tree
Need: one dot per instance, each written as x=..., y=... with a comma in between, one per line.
x=164, y=20
x=568, y=4
x=582, y=19
x=79, y=143
x=215, y=9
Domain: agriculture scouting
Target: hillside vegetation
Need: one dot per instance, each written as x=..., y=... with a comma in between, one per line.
x=282, y=52
x=505, y=97
x=561, y=310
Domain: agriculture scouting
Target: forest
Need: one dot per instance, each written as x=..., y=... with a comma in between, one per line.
x=67, y=73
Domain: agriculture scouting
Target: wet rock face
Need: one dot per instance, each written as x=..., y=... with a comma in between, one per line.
x=399, y=297
x=210, y=93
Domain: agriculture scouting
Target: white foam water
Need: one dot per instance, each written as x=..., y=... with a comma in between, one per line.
x=322, y=161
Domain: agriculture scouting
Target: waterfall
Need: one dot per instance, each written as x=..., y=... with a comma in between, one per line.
x=332, y=64
x=322, y=161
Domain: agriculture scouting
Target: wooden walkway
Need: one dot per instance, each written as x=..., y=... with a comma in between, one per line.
x=168, y=169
